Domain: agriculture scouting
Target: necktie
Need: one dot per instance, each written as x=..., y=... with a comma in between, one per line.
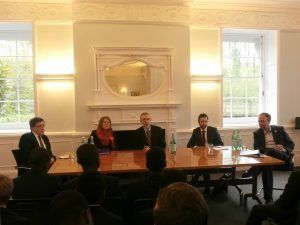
x=202, y=143
x=148, y=137
x=41, y=142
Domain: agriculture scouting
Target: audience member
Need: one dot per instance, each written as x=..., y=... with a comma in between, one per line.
x=7, y=216
x=180, y=204
x=103, y=136
x=149, y=136
x=275, y=142
x=148, y=188
x=35, y=138
x=70, y=208
x=92, y=185
x=37, y=183
x=202, y=136
x=284, y=210
x=88, y=158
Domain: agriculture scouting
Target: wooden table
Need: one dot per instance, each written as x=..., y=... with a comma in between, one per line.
x=185, y=159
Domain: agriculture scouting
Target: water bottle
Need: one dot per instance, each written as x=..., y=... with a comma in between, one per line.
x=83, y=140
x=236, y=140
x=91, y=140
x=172, y=144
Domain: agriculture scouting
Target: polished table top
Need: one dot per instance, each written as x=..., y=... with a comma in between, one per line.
x=185, y=158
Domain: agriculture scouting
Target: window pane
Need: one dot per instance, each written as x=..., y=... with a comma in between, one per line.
x=24, y=48
x=9, y=112
x=11, y=91
x=226, y=88
x=238, y=108
x=26, y=111
x=8, y=67
x=7, y=48
x=253, y=107
x=26, y=89
x=238, y=87
x=227, y=108
x=253, y=87
x=25, y=68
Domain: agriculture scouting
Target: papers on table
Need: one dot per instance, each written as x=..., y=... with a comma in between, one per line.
x=222, y=147
x=64, y=156
x=249, y=152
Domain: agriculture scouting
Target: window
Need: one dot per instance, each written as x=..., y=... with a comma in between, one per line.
x=16, y=75
x=244, y=77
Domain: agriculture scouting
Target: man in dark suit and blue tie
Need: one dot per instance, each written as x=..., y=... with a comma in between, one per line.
x=33, y=139
x=148, y=135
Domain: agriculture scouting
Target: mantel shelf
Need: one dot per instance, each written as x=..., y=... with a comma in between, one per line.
x=137, y=105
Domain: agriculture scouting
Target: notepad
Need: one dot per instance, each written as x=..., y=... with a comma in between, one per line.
x=249, y=152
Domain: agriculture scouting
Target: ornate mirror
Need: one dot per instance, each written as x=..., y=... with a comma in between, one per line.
x=134, y=78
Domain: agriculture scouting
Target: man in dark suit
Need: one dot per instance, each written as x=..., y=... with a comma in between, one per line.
x=88, y=158
x=149, y=135
x=7, y=216
x=275, y=142
x=37, y=183
x=33, y=139
x=202, y=136
x=284, y=210
x=91, y=185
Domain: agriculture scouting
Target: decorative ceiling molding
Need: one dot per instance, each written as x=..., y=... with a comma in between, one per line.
x=198, y=12
x=34, y=11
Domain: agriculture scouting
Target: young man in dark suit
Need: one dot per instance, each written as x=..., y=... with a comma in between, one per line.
x=33, y=139
x=275, y=142
x=284, y=211
x=202, y=136
x=148, y=135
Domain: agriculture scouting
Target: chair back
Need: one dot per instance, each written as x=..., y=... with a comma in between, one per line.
x=114, y=205
x=143, y=211
x=20, y=164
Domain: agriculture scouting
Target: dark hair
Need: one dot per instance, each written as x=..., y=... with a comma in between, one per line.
x=180, y=204
x=172, y=176
x=6, y=188
x=202, y=115
x=33, y=121
x=67, y=207
x=91, y=185
x=267, y=115
x=156, y=159
x=39, y=158
x=88, y=156
x=101, y=120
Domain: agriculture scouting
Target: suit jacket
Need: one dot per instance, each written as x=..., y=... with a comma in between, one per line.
x=279, y=136
x=157, y=137
x=213, y=137
x=29, y=142
x=290, y=197
x=103, y=217
x=8, y=217
x=99, y=144
x=36, y=185
x=113, y=188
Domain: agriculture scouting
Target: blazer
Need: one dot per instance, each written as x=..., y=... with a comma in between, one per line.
x=279, y=135
x=99, y=144
x=157, y=137
x=36, y=185
x=9, y=217
x=29, y=142
x=213, y=137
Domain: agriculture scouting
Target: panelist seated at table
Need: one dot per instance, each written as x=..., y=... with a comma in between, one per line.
x=88, y=158
x=37, y=183
x=148, y=136
x=275, y=142
x=33, y=139
x=103, y=136
x=202, y=136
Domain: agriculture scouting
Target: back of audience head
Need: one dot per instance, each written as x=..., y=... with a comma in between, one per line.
x=156, y=159
x=88, y=157
x=70, y=208
x=172, y=176
x=91, y=185
x=180, y=204
x=6, y=189
x=39, y=159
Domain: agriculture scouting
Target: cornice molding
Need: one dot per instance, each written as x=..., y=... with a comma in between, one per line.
x=34, y=11
x=199, y=12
